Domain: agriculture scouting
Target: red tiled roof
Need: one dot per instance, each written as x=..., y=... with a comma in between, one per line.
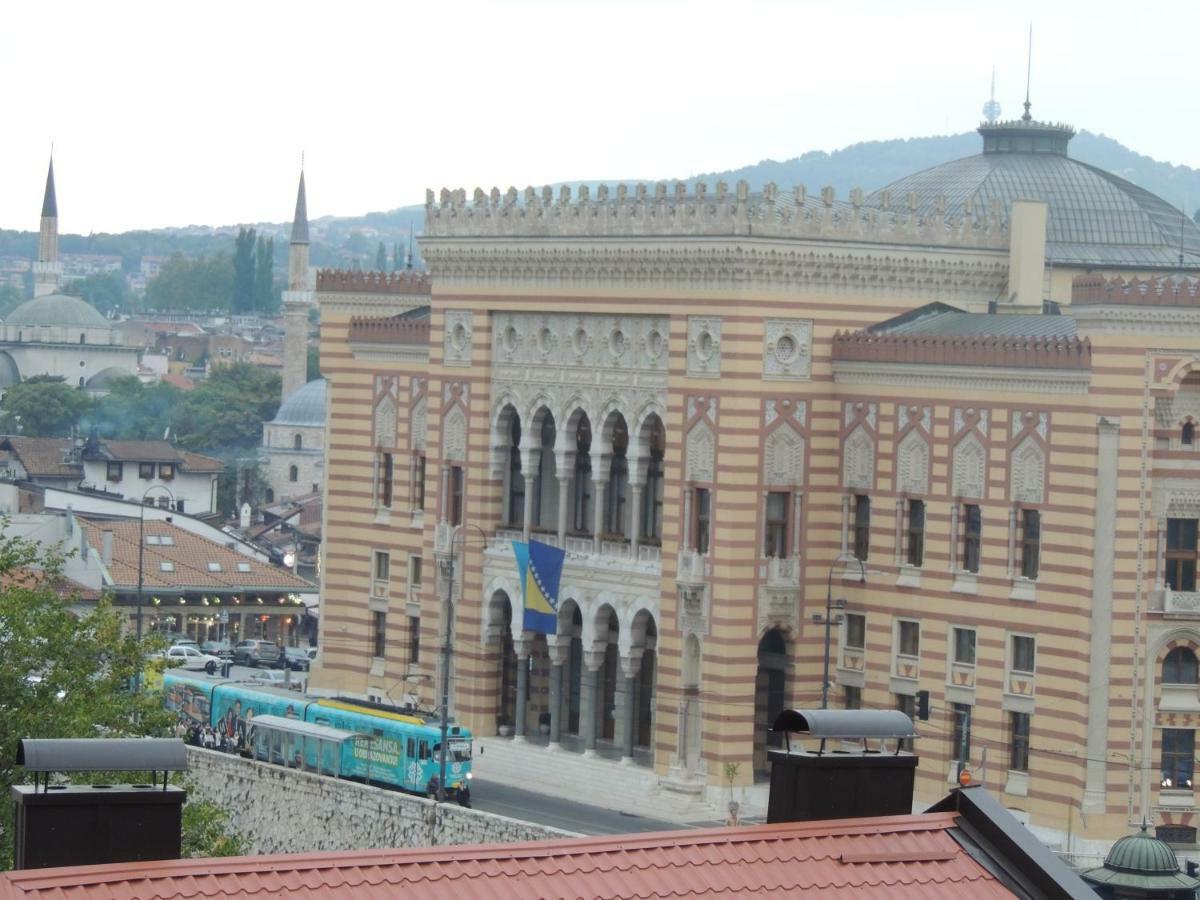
x=190, y=555
x=180, y=381
x=43, y=457
x=896, y=857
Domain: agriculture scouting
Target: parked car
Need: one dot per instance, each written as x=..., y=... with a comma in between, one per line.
x=295, y=658
x=255, y=653
x=217, y=648
x=273, y=678
x=184, y=642
x=191, y=658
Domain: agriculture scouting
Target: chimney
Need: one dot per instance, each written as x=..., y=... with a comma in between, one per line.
x=1027, y=253
x=106, y=546
x=842, y=776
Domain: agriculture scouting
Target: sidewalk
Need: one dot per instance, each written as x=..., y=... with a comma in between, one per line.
x=633, y=789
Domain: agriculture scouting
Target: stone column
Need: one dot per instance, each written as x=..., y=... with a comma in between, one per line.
x=1160, y=552
x=522, y=651
x=564, y=503
x=900, y=548
x=635, y=519
x=589, y=691
x=557, y=646
x=598, y=488
x=954, y=537
x=845, y=526
x=527, y=462
x=630, y=667
x=1012, y=541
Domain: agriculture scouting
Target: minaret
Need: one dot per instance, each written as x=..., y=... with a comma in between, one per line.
x=47, y=271
x=296, y=301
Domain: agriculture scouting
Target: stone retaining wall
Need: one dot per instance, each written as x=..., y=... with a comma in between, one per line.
x=281, y=810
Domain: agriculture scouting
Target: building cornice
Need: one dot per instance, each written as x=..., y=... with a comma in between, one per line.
x=344, y=304
x=705, y=264
x=1176, y=321
x=991, y=380
x=414, y=353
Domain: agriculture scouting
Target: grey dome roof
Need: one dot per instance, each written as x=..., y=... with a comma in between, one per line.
x=304, y=406
x=1095, y=218
x=57, y=309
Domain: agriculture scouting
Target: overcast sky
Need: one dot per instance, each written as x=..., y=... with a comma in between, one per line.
x=175, y=113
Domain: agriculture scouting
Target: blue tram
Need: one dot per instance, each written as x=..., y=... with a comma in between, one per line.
x=397, y=749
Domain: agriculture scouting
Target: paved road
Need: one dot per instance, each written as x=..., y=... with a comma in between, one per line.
x=499, y=798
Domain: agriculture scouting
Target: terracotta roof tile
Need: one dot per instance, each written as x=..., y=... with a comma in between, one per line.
x=190, y=556
x=45, y=457
x=832, y=858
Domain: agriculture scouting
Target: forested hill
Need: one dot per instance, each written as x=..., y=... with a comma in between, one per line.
x=340, y=241
x=873, y=164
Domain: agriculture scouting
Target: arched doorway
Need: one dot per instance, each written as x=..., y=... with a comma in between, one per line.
x=770, y=685
x=608, y=630
x=646, y=634
x=499, y=619
x=690, y=713
x=572, y=667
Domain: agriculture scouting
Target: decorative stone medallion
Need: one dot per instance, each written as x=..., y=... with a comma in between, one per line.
x=787, y=349
x=704, y=346
x=456, y=346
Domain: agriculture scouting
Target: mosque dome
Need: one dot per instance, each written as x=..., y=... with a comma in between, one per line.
x=1095, y=218
x=304, y=406
x=1141, y=865
x=57, y=310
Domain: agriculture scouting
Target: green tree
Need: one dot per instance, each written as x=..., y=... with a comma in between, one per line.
x=106, y=291
x=241, y=481
x=62, y=674
x=264, y=273
x=11, y=297
x=397, y=259
x=227, y=410
x=42, y=407
x=380, y=258
x=313, y=369
x=192, y=284
x=356, y=243
x=207, y=831
x=243, y=271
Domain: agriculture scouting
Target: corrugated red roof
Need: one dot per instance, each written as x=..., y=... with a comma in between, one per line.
x=893, y=857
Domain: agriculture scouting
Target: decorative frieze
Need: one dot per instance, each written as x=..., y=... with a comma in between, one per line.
x=1028, y=484
x=456, y=341
x=787, y=349
x=704, y=347
x=701, y=454
x=969, y=467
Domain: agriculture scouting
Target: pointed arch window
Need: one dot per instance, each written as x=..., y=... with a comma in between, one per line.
x=1187, y=435
x=618, y=480
x=1181, y=667
x=544, y=481
x=516, y=480
x=652, y=496
x=582, y=483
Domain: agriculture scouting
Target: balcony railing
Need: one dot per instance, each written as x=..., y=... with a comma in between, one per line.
x=691, y=568
x=1181, y=603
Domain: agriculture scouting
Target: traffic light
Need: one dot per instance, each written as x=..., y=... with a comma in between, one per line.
x=923, y=705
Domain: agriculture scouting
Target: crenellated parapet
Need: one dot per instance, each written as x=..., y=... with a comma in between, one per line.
x=1023, y=352
x=1165, y=291
x=389, y=330
x=351, y=282
x=675, y=211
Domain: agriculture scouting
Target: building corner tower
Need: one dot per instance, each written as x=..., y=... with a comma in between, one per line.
x=47, y=271
x=296, y=301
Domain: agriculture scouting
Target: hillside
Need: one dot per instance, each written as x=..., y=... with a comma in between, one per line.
x=354, y=240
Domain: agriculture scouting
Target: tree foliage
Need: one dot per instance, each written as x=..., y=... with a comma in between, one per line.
x=132, y=411
x=106, y=291
x=264, y=274
x=243, y=271
x=199, y=284
x=228, y=409
x=41, y=407
x=63, y=674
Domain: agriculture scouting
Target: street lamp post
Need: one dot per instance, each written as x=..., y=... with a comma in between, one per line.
x=142, y=554
x=447, y=566
x=830, y=606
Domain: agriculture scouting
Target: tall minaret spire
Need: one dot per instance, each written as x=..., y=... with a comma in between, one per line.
x=297, y=299
x=1028, y=72
x=47, y=271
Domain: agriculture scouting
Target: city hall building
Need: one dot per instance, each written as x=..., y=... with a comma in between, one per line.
x=965, y=405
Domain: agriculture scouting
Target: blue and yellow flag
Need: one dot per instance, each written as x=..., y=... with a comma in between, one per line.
x=540, y=568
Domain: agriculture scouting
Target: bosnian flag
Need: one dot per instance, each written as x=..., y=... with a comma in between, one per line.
x=540, y=569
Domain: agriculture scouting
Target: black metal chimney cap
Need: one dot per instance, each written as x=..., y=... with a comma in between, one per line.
x=845, y=724
x=102, y=754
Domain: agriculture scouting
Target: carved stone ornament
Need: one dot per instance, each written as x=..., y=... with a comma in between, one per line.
x=454, y=435
x=912, y=464
x=1028, y=472
x=456, y=344
x=417, y=426
x=701, y=454
x=385, y=423
x=787, y=349
x=969, y=468
x=704, y=346
x=783, y=457
x=858, y=460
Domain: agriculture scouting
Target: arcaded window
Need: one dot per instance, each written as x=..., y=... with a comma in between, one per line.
x=1180, y=667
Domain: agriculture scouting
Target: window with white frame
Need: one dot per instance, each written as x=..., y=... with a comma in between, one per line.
x=856, y=631
x=963, y=646
x=862, y=526
x=1023, y=654
x=971, y=537
x=1031, y=543
x=775, y=537
x=908, y=638
x=915, y=533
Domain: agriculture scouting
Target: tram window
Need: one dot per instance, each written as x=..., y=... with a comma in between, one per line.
x=412, y=748
x=322, y=720
x=378, y=732
x=424, y=750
